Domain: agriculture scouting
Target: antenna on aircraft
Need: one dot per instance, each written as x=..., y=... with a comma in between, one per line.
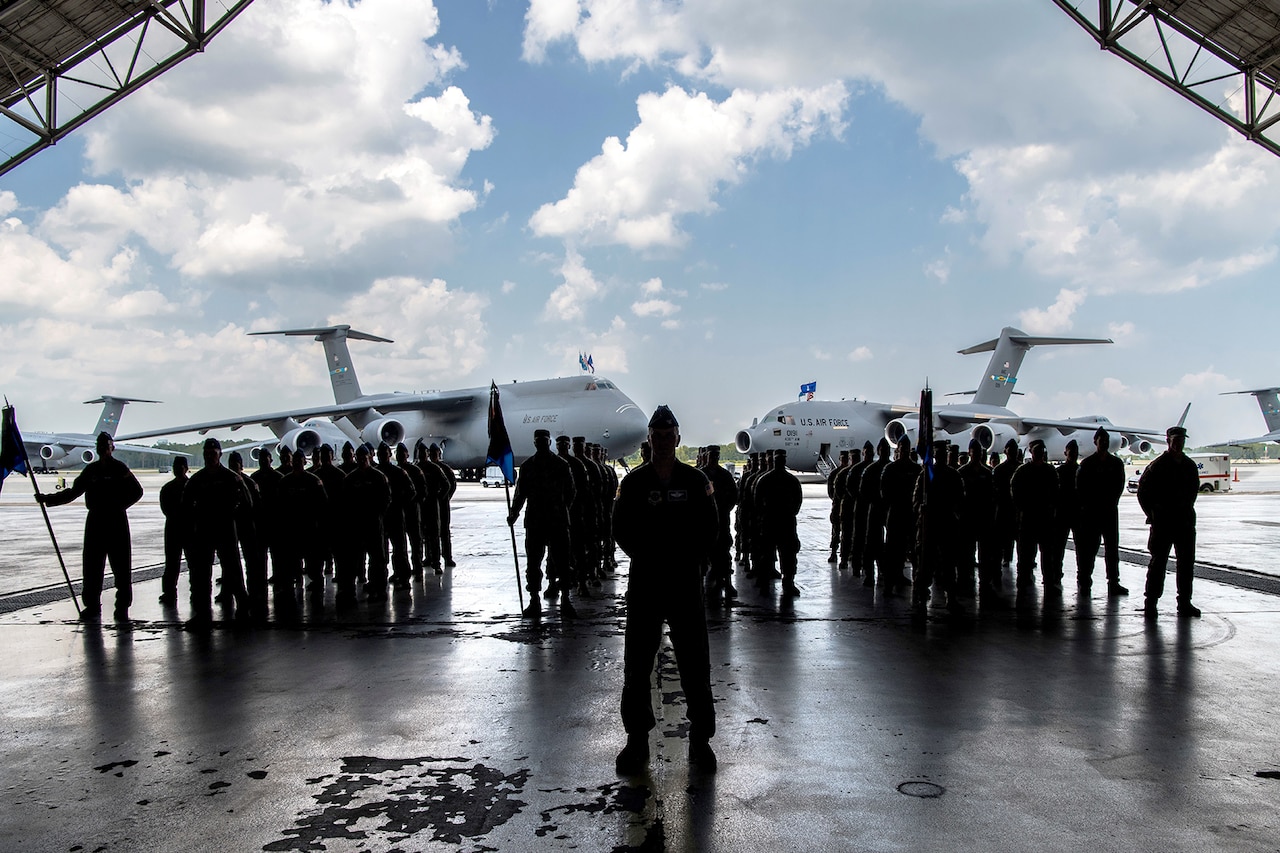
x=342, y=373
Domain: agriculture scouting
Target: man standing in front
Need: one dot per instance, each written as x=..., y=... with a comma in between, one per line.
x=665, y=520
x=1099, y=485
x=1167, y=494
x=109, y=489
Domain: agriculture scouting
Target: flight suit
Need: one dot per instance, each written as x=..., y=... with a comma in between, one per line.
x=1034, y=488
x=109, y=489
x=214, y=496
x=897, y=487
x=668, y=530
x=1099, y=485
x=1167, y=493
x=546, y=483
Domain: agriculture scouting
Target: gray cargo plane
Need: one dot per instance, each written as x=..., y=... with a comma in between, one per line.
x=53, y=450
x=590, y=406
x=1269, y=402
x=811, y=431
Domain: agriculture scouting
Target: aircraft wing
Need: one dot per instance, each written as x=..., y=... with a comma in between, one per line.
x=1023, y=424
x=440, y=403
x=1234, y=442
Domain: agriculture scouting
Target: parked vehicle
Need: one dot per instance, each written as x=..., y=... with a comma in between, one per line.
x=492, y=477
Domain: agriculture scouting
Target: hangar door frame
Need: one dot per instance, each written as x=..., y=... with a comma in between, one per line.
x=1222, y=55
x=62, y=62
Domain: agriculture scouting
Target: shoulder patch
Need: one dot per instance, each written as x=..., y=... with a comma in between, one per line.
x=711, y=490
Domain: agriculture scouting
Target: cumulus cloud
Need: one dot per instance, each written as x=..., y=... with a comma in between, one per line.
x=303, y=131
x=686, y=148
x=860, y=354
x=580, y=286
x=1055, y=318
x=1090, y=177
x=439, y=333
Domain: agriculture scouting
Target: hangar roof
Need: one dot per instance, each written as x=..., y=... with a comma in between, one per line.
x=64, y=61
x=1222, y=55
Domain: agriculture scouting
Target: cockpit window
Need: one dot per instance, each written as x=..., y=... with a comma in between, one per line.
x=598, y=384
x=789, y=420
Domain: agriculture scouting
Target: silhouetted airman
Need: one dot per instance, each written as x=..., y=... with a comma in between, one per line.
x=1167, y=494
x=436, y=455
x=366, y=496
x=109, y=489
x=869, y=511
x=1006, y=523
x=413, y=510
x=665, y=520
x=897, y=486
x=393, y=519
x=1035, y=497
x=977, y=526
x=546, y=483
x=175, y=525
x=835, y=493
x=1099, y=485
x=726, y=497
x=938, y=500
x=778, y=497
x=212, y=499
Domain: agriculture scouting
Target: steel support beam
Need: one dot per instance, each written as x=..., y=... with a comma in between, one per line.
x=46, y=105
x=1153, y=39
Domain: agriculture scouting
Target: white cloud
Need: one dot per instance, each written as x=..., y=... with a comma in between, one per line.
x=939, y=269
x=860, y=354
x=439, y=333
x=1055, y=318
x=714, y=286
x=508, y=286
x=1092, y=177
x=580, y=286
x=302, y=133
x=684, y=151
x=654, y=308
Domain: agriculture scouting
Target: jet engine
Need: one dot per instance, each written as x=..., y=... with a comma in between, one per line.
x=301, y=440
x=52, y=452
x=993, y=436
x=896, y=429
x=87, y=456
x=1136, y=444
x=389, y=430
x=742, y=441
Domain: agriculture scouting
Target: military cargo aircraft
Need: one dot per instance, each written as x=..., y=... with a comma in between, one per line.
x=590, y=406
x=54, y=450
x=812, y=431
x=1269, y=402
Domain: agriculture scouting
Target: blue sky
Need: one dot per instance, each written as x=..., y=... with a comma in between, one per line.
x=718, y=200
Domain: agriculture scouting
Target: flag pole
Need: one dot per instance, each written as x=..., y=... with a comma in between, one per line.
x=35, y=486
x=515, y=555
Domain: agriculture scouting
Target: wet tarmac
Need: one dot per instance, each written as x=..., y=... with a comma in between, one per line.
x=441, y=720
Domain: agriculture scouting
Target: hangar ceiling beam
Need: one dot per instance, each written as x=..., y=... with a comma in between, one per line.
x=1219, y=54
x=62, y=62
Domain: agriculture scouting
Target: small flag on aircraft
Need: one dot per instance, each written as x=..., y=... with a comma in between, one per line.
x=809, y=390
x=591, y=364
x=13, y=456
x=499, y=452
x=582, y=362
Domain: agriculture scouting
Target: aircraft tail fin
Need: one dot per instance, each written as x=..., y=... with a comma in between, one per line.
x=109, y=420
x=1269, y=402
x=342, y=373
x=1007, y=352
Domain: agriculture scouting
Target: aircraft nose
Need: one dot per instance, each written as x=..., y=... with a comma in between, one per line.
x=630, y=427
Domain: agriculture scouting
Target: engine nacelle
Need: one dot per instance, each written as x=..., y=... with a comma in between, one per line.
x=389, y=430
x=742, y=441
x=52, y=453
x=87, y=456
x=993, y=436
x=301, y=440
x=900, y=428
x=1137, y=444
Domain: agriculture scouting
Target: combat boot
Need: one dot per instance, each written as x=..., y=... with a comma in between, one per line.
x=701, y=755
x=634, y=758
